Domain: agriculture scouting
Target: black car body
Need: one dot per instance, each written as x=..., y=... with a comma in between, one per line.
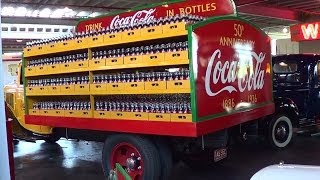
x=296, y=84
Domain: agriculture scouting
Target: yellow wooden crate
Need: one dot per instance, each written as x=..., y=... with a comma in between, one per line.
x=42, y=70
x=181, y=117
x=83, y=114
x=79, y=65
x=54, y=90
x=153, y=58
x=141, y=116
x=112, y=38
x=98, y=88
x=30, y=71
x=78, y=113
x=45, y=49
x=102, y=114
x=42, y=90
x=178, y=84
x=133, y=60
x=156, y=85
x=179, y=57
x=116, y=88
x=120, y=115
x=65, y=67
x=46, y=112
x=114, y=61
x=151, y=31
x=131, y=35
x=159, y=117
x=58, y=113
x=53, y=69
x=29, y=51
x=68, y=45
x=40, y=50
x=81, y=43
x=81, y=88
x=31, y=90
x=34, y=112
x=67, y=89
x=93, y=64
x=174, y=28
x=96, y=41
x=69, y=113
x=134, y=87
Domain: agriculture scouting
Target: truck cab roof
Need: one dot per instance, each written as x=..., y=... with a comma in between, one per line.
x=296, y=56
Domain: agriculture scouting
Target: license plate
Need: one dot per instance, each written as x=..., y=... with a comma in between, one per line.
x=220, y=154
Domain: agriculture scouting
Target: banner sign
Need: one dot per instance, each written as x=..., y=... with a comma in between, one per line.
x=204, y=8
x=232, y=67
x=305, y=32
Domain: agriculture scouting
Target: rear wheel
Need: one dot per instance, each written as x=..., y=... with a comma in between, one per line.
x=280, y=131
x=136, y=154
x=53, y=138
x=166, y=159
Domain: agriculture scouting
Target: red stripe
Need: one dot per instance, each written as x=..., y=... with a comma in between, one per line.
x=140, y=127
x=217, y=124
x=150, y=127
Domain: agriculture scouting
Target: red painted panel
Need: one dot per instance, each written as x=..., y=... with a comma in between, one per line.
x=232, y=62
x=217, y=124
x=205, y=8
x=305, y=32
x=140, y=127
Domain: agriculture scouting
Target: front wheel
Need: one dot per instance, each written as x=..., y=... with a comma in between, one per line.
x=280, y=132
x=137, y=155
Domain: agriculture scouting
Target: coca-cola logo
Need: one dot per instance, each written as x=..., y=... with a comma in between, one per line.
x=144, y=16
x=232, y=72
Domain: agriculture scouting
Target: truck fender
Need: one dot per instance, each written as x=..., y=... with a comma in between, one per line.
x=287, y=106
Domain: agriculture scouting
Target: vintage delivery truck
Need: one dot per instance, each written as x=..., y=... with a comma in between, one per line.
x=168, y=80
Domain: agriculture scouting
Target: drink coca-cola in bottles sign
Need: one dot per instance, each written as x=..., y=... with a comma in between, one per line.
x=232, y=66
x=203, y=8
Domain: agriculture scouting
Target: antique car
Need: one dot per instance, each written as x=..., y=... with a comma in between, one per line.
x=296, y=92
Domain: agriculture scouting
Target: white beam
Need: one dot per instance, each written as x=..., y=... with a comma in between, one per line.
x=4, y=157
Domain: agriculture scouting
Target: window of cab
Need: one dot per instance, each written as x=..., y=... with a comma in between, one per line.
x=283, y=67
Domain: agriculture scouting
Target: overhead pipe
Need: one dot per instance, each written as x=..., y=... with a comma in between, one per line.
x=67, y=5
x=249, y=2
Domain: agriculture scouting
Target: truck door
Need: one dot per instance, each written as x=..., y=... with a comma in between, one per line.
x=314, y=96
x=289, y=82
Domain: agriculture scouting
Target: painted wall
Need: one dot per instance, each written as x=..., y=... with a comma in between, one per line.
x=286, y=46
x=310, y=47
x=9, y=70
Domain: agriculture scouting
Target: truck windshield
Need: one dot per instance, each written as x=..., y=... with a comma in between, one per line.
x=284, y=67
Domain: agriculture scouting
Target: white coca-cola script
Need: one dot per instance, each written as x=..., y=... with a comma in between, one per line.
x=144, y=16
x=227, y=72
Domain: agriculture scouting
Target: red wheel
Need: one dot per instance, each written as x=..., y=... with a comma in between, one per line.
x=137, y=155
x=129, y=158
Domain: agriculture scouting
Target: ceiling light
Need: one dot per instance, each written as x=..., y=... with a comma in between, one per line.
x=57, y=13
x=7, y=11
x=20, y=11
x=95, y=14
x=45, y=12
x=19, y=40
x=83, y=14
x=35, y=13
x=29, y=13
x=285, y=30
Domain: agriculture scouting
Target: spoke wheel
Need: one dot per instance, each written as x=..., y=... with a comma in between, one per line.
x=280, y=132
x=137, y=155
x=129, y=158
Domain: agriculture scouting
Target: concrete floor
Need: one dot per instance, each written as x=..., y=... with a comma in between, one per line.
x=72, y=160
